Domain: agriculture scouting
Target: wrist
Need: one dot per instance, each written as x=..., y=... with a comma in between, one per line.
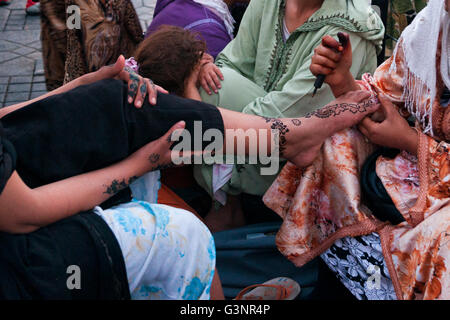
x=346, y=84
x=411, y=143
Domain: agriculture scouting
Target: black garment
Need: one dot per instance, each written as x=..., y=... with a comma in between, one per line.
x=36, y=265
x=373, y=191
x=92, y=127
x=82, y=130
x=7, y=159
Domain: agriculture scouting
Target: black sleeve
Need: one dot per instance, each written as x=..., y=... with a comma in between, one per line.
x=7, y=160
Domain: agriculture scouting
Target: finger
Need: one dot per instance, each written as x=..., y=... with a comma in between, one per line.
x=323, y=61
x=211, y=83
x=216, y=80
x=369, y=125
x=318, y=69
x=152, y=92
x=386, y=105
x=218, y=72
x=113, y=70
x=118, y=66
x=161, y=89
x=133, y=85
x=363, y=130
x=329, y=53
x=205, y=86
x=330, y=42
x=142, y=92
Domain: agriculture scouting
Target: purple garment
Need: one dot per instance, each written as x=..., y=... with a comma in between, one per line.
x=192, y=16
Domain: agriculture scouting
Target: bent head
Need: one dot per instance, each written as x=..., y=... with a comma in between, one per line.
x=169, y=56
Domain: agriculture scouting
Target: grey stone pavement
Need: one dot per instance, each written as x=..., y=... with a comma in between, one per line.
x=21, y=68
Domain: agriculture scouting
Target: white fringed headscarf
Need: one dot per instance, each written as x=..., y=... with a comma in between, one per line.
x=221, y=9
x=419, y=42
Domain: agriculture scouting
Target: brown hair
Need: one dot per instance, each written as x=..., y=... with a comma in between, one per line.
x=168, y=57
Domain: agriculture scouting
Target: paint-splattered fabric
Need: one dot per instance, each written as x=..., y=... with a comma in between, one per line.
x=322, y=203
x=169, y=253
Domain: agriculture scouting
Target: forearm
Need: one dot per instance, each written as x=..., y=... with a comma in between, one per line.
x=25, y=210
x=192, y=92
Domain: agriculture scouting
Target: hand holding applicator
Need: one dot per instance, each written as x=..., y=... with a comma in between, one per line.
x=344, y=40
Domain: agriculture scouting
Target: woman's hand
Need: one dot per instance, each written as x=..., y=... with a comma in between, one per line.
x=334, y=61
x=393, y=132
x=209, y=77
x=138, y=87
x=157, y=154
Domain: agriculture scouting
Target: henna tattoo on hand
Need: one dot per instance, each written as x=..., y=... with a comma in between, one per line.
x=134, y=78
x=282, y=129
x=336, y=109
x=143, y=90
x=116, y=185
x=296, y=122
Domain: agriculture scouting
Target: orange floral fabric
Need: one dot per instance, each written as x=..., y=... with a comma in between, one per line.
x=322, y=203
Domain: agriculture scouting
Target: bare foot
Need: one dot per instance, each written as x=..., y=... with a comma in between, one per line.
x=306, y=135
x=227, y=217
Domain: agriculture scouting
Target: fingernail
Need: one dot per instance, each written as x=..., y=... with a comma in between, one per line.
x=138, y=104
x=153, y=101
x=130, y=100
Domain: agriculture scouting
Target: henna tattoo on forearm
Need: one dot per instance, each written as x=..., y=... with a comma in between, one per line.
x=154, y=159
x=336, y=109
x=116, y=185
x=296, y=122
x=282, y=129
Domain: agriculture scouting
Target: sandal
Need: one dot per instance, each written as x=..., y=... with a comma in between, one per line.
x=276, y=289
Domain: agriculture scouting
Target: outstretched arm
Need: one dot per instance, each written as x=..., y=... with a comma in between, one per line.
x=24, y=210
x=138, y=87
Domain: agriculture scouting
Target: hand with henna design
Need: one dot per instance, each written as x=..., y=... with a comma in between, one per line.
x=138, y=87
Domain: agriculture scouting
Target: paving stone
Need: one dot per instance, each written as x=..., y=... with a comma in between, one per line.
x=13, y=27
x=36, y=55
x=39, y=79
x=23, y=79
x=7, y=46
x=24, y=50
x=17, y=96
x=17, y=67
x=37, y=94
x=38, y=87
x=39, y=68
x=5, y=56
x=21, y=87
x=18, y=4
x=36, y=44
x=21, y=67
